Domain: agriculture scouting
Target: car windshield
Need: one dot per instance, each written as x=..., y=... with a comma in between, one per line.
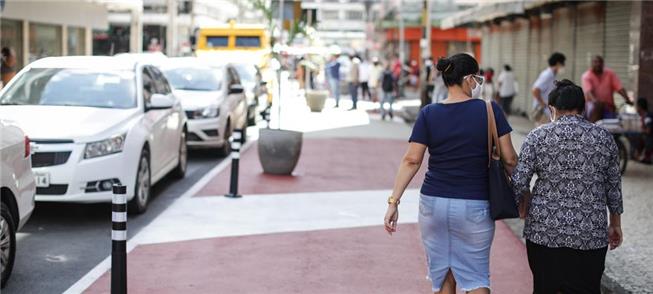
x=72, y=87
x=194, y=78
x=246, y=72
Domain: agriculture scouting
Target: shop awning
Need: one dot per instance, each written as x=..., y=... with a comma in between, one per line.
x=489, y=11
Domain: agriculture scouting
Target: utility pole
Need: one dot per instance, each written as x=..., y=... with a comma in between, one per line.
x=426, y=53
x=171, y=32
x=401, y=34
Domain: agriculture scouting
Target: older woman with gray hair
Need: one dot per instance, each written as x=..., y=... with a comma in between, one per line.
x=577, y=165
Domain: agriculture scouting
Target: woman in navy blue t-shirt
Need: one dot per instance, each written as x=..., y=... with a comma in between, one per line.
x=454, y=218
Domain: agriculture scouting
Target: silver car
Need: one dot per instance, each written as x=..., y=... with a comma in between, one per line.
x=213, y=99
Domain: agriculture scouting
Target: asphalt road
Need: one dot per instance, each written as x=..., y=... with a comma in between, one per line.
x=62, y=242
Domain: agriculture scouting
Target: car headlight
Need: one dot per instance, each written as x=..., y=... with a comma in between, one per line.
x=105, y=147
x=209, y=112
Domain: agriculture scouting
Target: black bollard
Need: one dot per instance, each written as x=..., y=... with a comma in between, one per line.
x=119, y=240
x=236, y=143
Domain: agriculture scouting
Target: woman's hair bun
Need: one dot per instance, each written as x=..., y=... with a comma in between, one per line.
x=444, y=65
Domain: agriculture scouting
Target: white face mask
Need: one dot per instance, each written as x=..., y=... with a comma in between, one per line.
x=476, y=91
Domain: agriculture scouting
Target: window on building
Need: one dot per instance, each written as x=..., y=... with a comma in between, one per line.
x=154, y=38
x=12, y=38
x=112, y=41
x=44, y=40
x=354, y=14
x=217, y=41
x=330, y=14
x=247, y=41
x=76, y=41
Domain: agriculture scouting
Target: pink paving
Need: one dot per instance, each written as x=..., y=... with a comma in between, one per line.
x=325, y=165
x=357, y=260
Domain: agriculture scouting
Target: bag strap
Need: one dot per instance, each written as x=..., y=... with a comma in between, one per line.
x=492, y=135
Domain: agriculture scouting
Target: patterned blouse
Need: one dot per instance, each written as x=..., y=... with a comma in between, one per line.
x=577, y=167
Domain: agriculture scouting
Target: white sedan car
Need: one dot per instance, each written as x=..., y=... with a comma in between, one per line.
x=213, y=98
x=95, y=122
x=17, y=187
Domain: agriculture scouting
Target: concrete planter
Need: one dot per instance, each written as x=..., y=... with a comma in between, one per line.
x=315, y=99
x=279, y=150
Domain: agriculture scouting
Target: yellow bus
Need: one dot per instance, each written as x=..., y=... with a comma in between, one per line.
x=235, y=40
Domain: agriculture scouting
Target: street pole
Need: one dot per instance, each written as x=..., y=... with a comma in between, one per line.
x=171, y=42
x=426, y=52
x=280, y=64
x=119, y=240
x=307, y=76
x=401, y=35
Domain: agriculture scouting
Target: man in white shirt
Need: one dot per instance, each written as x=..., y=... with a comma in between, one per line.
x=507, y=89
x=364, y=76
x=543, y=87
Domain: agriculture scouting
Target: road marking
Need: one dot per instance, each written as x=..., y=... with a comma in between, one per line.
x=102, y=267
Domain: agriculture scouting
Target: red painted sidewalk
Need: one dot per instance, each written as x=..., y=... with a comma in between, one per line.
x=358, y=260
x=325, y=165
x=351, y=260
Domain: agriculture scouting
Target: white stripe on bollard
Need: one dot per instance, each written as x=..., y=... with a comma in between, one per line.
x=119, y=199
x=119, y=235
x=119, y=217
x=235, y=145
x=235, y=154
x=237, y=135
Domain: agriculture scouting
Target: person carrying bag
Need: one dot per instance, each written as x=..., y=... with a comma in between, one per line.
x=502, y=201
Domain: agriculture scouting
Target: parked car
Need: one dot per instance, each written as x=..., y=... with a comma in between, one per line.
x=95, y=122
x=213, y=99
x=17, y=186
x=252, y=80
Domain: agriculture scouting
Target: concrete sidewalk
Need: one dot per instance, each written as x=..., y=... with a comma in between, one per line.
x=317, y=231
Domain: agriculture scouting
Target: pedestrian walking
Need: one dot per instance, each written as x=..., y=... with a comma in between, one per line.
x=599, y=84
x=454, y=217
x=543, y=86
x=353, y=80
x=376, y=73
x=507, y=88
x=488, y=92
x=333, y=75
x=578, y=176
x=388, y=86
x=364, y=72
x=427, y=92
x=643, y=146
x=7, y=65
x=439, y=88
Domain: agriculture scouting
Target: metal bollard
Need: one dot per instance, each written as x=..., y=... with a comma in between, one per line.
x=237, y=141
x=119, y=240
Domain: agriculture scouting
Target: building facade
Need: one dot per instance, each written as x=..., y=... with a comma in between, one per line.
x=524, y=34
x=37, y=29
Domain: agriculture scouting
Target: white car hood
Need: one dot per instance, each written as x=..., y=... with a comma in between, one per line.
x=193, y=100
x=67, y=122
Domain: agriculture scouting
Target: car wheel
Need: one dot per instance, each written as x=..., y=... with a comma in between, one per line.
x=7, y=243
x=226, y=147
x=142, y=189
x=182, y=164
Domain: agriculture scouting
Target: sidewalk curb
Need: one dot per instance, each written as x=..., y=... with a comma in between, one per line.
x=105, y=265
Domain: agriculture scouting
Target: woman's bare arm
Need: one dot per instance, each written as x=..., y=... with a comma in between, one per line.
x=408, y=167
x=508, y=153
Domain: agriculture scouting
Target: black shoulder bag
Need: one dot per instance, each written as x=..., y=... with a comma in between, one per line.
x=502, y=201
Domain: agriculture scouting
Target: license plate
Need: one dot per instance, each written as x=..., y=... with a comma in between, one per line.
x=42, y=180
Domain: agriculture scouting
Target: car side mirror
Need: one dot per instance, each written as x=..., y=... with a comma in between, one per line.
x=236, y=89
x=160, y=101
